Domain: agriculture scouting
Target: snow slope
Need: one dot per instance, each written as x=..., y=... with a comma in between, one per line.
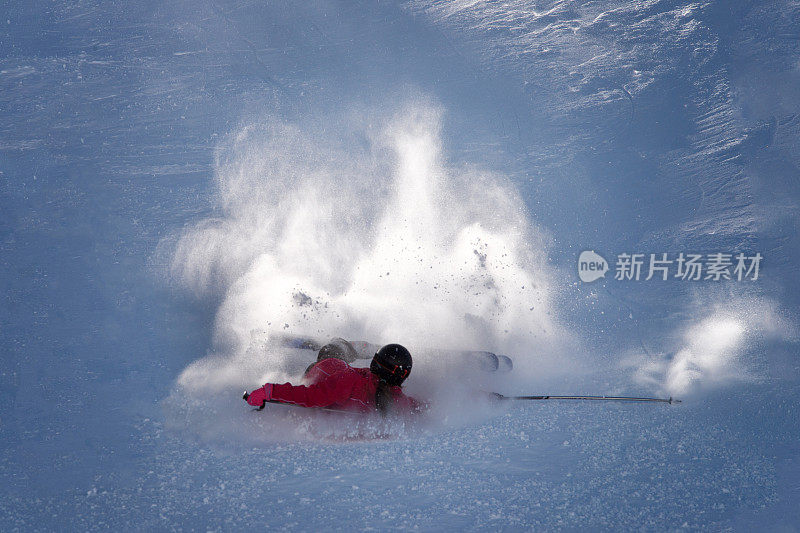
x=177, y=176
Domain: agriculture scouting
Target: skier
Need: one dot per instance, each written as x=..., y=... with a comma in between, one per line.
x=335, y=384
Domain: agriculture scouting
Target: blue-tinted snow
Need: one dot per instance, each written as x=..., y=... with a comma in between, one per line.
x=659, y=126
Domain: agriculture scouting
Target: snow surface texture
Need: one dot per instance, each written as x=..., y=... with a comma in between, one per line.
x=177, y=179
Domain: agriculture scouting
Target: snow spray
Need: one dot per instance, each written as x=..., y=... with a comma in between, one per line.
x=364, y=232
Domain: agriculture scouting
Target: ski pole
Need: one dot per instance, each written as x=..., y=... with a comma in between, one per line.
x=669, y=400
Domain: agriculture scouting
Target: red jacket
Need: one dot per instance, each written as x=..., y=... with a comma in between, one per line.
x=335, y=384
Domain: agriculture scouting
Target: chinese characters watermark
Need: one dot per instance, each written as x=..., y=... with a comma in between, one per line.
x=663, y=266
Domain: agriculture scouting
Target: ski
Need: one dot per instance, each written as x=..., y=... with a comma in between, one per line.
x=484, y=360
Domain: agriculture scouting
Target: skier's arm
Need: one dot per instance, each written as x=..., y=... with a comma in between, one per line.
x=322, y=394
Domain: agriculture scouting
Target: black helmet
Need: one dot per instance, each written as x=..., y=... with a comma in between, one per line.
x=392, y=364
x=339, y=349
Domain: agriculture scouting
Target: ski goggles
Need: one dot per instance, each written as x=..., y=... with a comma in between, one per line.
x=397, y=371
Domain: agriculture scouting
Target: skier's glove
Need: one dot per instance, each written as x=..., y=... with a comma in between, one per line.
x=259, y=397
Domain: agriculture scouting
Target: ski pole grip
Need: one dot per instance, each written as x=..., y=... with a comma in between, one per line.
x=245, y=396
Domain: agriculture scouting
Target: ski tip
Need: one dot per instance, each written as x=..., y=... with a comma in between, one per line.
x=505, y=364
